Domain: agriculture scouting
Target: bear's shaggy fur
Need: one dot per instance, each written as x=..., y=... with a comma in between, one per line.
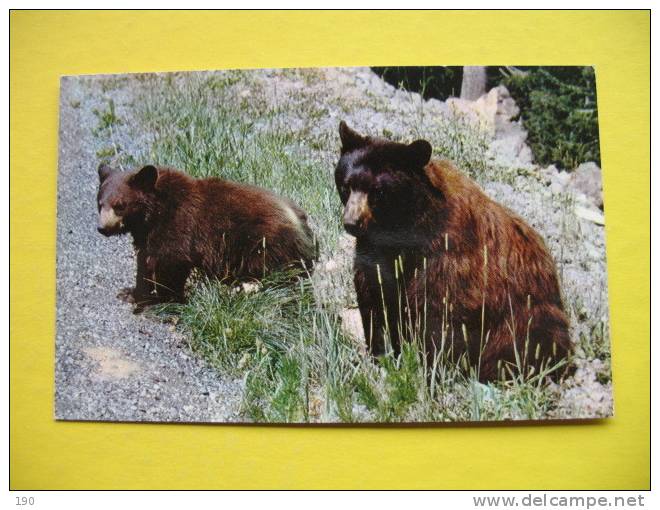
x=437, y=259
x=178, y=223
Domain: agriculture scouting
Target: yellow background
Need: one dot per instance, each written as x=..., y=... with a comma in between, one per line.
x=46, y=454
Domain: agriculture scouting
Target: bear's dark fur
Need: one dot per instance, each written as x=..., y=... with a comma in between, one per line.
x=436, y=258
x=232, y=231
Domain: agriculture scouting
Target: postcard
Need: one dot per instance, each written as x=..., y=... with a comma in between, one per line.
x=332, y=245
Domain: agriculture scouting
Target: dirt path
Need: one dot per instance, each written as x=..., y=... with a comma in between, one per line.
x=111, y=364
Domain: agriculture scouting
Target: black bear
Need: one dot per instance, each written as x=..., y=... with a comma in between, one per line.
x=228, y=230
x=438, y=260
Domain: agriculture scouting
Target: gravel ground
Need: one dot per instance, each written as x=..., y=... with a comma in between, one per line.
x=110, y=363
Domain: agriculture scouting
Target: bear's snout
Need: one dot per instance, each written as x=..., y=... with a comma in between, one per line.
x=106, y=231
x=356, y=213
x=352, y=229
x=109, y=222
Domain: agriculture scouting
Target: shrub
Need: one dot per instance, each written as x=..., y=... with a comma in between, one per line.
x=558, y=109
x=439, y=82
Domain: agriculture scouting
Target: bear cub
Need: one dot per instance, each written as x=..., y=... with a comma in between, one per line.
x=228, y=230
x=439, y=261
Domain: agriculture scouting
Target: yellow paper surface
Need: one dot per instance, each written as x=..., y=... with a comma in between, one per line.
x=605, y=454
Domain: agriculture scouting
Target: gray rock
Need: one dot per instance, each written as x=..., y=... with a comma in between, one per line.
x=563, y=178
x=556, y=187
x=548, y=174
x=587, y=178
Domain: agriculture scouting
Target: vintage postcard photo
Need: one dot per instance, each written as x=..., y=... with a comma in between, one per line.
x=332, y=245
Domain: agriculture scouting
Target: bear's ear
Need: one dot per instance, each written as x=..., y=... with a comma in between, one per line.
x=418, y=153
x=350, y=140
x=104, y=172
x=145, y=179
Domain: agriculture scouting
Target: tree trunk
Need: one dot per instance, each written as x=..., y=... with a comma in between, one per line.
x=474, y=82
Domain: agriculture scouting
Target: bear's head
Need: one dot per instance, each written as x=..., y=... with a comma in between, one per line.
x=124, y=198
x=382, y=185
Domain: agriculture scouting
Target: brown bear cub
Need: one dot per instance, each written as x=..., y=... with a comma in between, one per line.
x=178, y=223
x=439, y=261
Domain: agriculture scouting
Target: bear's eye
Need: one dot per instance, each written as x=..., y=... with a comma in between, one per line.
x=379, y=193
x=119, y=207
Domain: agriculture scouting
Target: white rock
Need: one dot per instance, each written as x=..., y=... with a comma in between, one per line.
x=587, y=178
x=556, y=188
x=563, y=178
x=589, y=215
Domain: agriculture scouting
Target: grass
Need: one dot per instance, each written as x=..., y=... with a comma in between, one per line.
x=107, y=122
x=287, y=342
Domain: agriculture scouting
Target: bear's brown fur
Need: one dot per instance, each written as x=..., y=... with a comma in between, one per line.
x=438, y=259
x=228, y=230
